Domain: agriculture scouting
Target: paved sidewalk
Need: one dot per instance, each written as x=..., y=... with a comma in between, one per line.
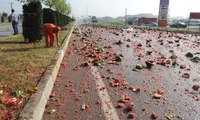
x=7, y=30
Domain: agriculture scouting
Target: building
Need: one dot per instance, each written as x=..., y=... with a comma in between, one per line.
x=144, y=20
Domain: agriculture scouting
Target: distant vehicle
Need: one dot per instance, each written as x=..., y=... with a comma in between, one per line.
x=194, y=22
x=151, y=24
x=94, y=19
x=178, y=25
x=143, y=20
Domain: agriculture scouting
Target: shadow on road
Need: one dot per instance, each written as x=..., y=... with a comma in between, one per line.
x=11, y=42
x=20, y=49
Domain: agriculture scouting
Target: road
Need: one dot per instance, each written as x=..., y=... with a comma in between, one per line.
x=98, y=80
x=6, y=30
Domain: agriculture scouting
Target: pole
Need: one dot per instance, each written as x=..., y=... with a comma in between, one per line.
x=87, y=13
x=11, y=4
x=158, y=19
x=189, y=24
x=125, y=16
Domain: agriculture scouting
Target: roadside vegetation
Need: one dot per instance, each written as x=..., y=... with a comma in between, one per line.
x=179, y=30
x=120, y=25
x=5, y=24
x=21, y=67
x=114, y=22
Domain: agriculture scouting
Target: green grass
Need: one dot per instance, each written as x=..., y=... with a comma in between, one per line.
x=21, y=67
x=178, y=30
x=114, y=22
x=5, y=23
x=120, y=23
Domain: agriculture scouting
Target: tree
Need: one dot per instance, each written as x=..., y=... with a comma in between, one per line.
x=32, y=21
x=4, y=14
x=2, y=19
x=69, y=10
x=59, y=5
x=50, y=3
x=130, y=22
x=27, y=1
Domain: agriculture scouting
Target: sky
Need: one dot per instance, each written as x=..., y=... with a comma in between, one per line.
x=115, y=8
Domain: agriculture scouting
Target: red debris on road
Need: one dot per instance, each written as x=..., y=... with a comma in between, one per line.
x=196, y=87
x=185, y=75
x=53, y=94
x=158, y=94
x=131, y=115
x=154, y=116
x=120, y=105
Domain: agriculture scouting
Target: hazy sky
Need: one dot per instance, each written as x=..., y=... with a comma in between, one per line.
x=116, y=8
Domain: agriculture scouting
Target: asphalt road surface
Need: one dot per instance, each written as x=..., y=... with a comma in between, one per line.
x=98, y=79
x=7, y=30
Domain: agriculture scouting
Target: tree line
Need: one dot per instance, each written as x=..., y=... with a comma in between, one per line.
x=58, y=5
x=34, y=16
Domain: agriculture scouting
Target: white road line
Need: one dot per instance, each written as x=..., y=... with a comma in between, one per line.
x=78, y=28
x=107, y=105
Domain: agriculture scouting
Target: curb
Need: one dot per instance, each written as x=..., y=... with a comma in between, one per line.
x=35, y=106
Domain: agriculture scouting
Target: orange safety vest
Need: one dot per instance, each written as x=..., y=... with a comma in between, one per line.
x=48, y=28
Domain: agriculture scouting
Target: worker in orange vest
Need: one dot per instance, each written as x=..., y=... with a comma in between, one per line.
x=50, y=30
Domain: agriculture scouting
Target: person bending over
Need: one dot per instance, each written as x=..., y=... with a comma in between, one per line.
x=50, y=30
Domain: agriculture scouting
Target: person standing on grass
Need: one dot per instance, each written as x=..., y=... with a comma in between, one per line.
x=50, y=30
x=14, y=18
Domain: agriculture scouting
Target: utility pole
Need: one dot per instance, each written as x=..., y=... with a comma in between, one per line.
x=126, y=16
x=11, y=4
x=86, y=12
